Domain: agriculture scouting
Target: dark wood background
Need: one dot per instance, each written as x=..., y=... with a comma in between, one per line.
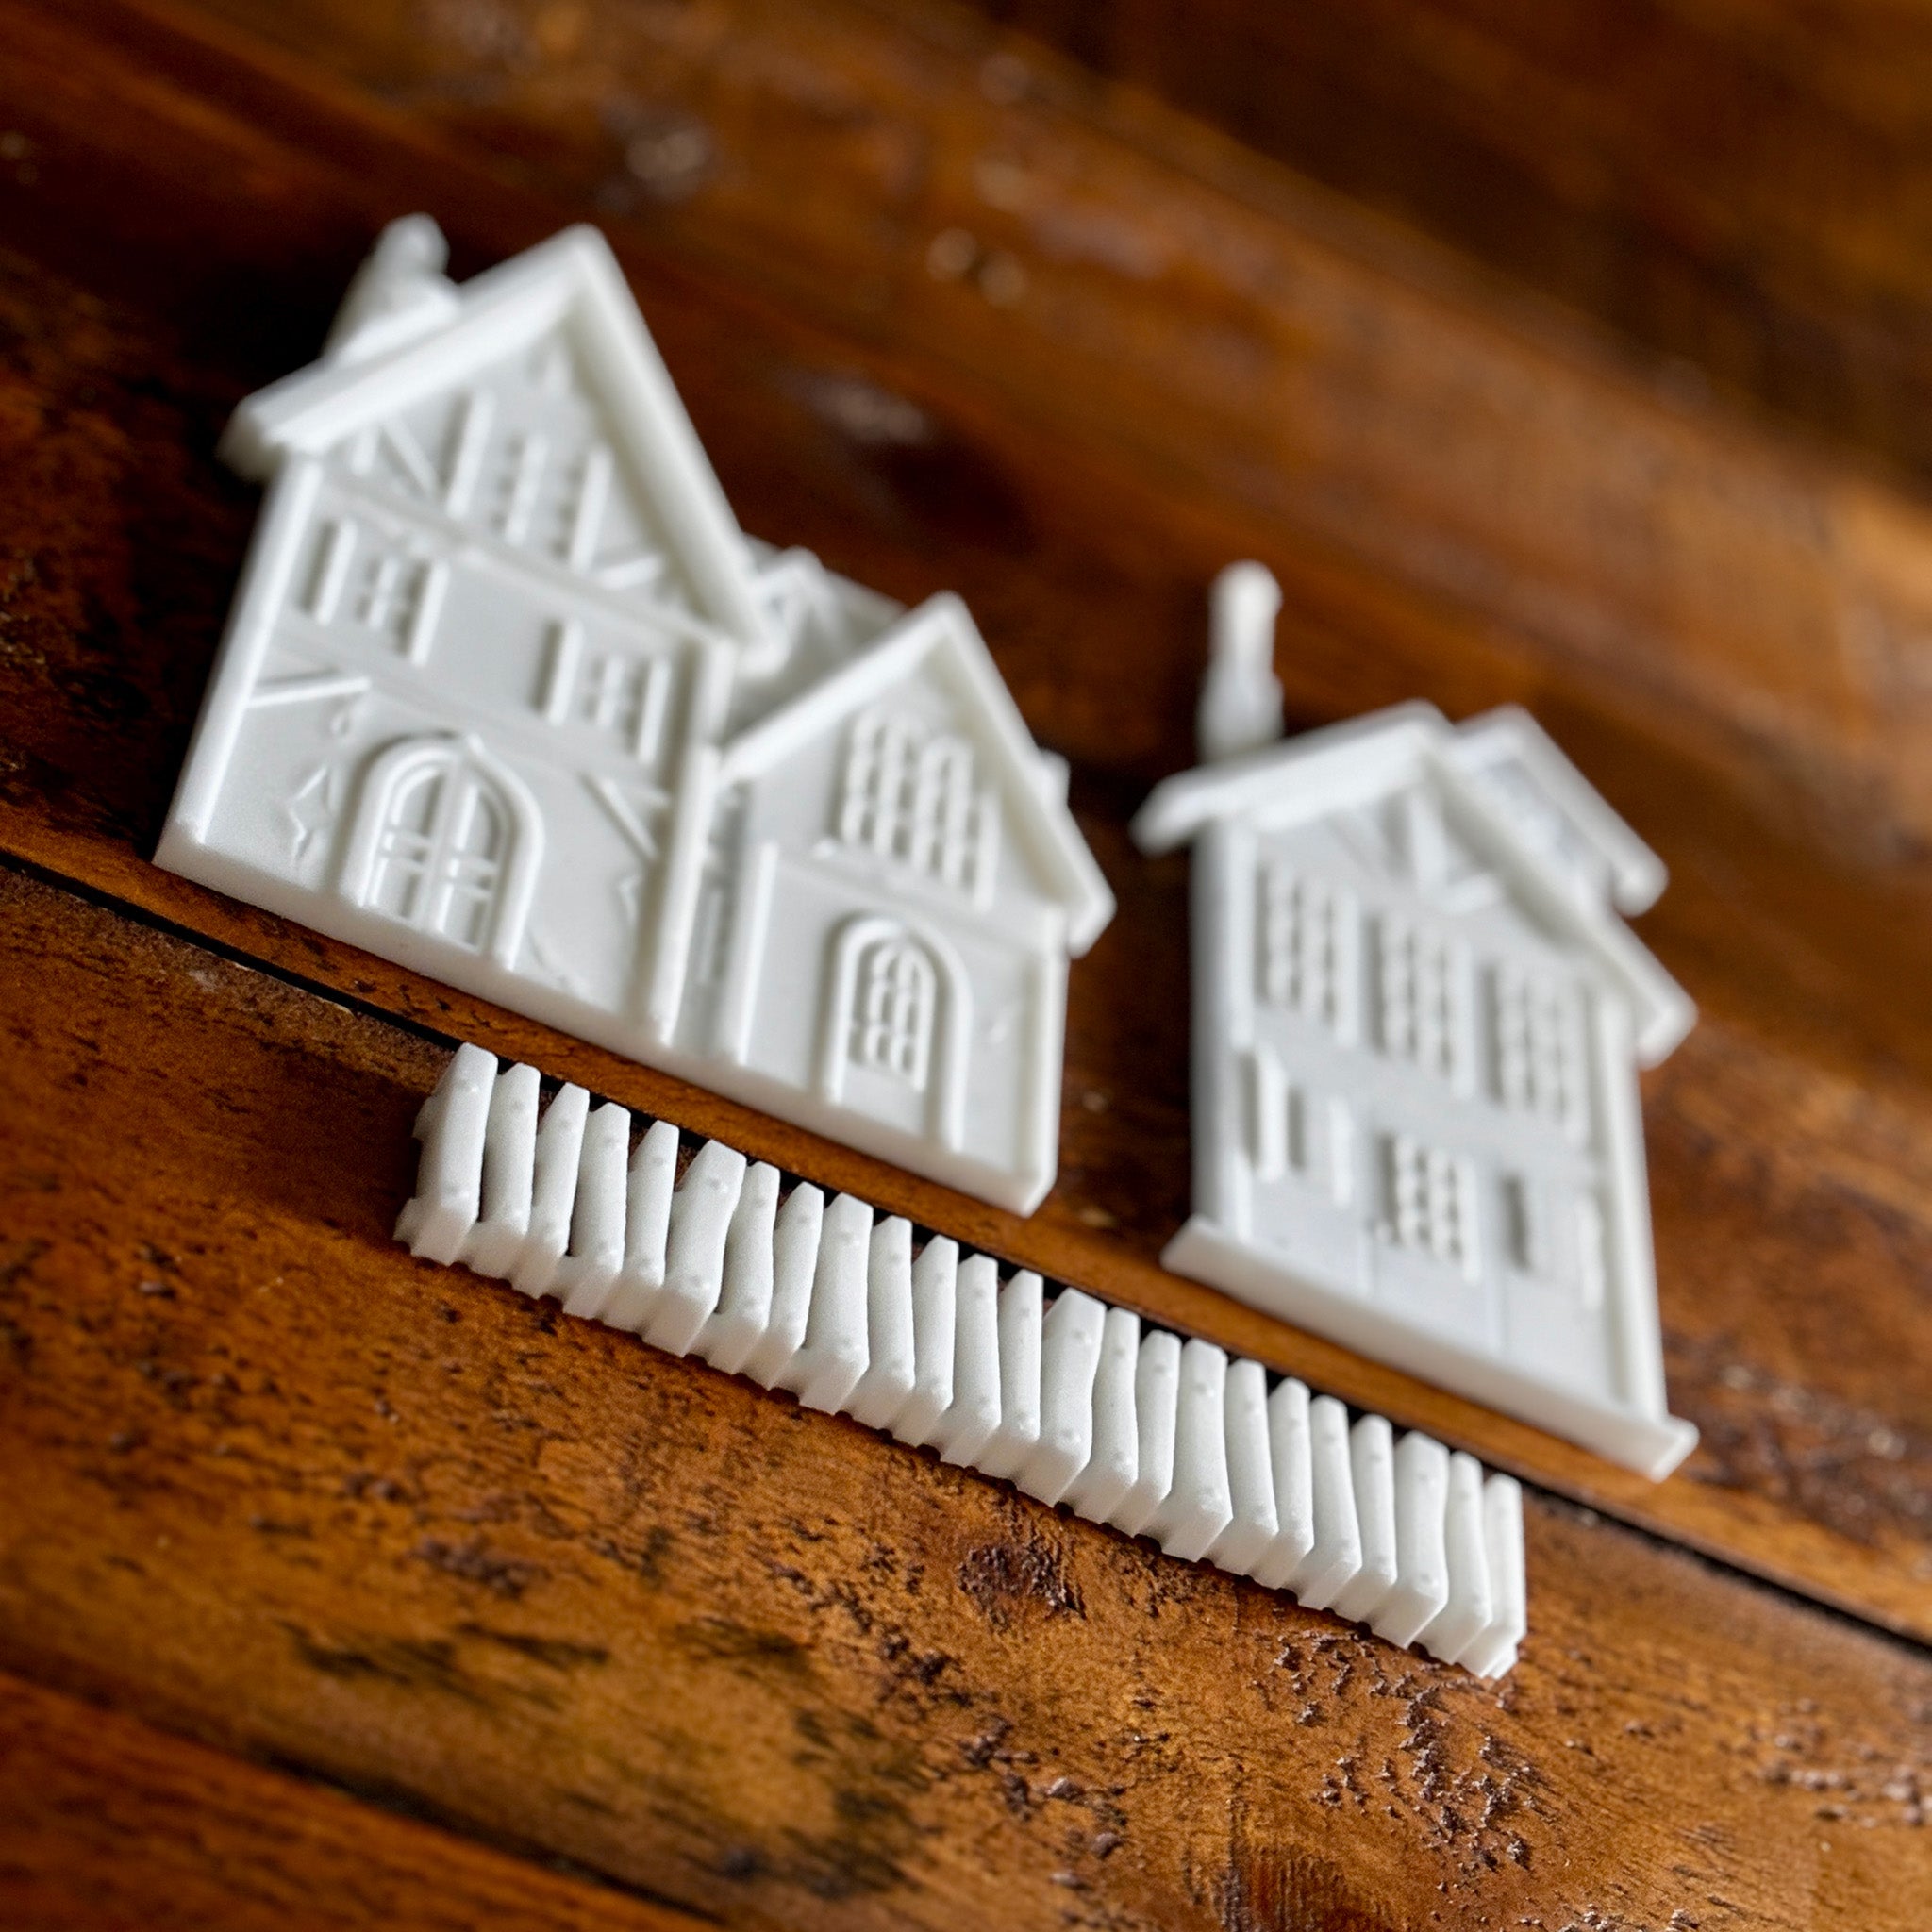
x=1577, y=355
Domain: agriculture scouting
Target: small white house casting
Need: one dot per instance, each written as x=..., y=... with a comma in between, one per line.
x=507, y=696
x=1418, y=1019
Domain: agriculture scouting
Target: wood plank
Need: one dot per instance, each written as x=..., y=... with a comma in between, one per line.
x=107, y=1823
x=299, y=1497
x=1173, y=304
x=1738, y=189
x=1790, y=1135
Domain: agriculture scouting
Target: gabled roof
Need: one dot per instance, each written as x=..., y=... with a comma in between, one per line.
x=816, y=620
x=1533, y=828
x=1532, y=777
x=940, y=637
x=405, y=333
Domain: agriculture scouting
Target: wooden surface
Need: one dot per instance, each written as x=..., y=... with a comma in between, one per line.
x=1738, y=189
x=300, y=1500
x=536, y=1581
x=105, y=1822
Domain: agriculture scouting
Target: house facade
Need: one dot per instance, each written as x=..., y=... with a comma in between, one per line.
x=507, y=698
x=1418, y=1023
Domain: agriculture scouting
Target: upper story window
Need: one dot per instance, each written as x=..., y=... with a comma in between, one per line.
x=370, y=580
x=1308, y=930
x=909, y=793
x=626, y=696
x=1536, y=1044
x=550, y=498
x=1420, y=1015
x=520, y=472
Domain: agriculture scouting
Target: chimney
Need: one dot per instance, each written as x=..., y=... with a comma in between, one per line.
x=399, y=293
x=1240, y=700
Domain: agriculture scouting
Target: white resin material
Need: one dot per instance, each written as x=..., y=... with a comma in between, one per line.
x=1114, y=1458
x=700, y=1212
x=886, y=1387
x=507, y=698
x=794, y=1267
x=510, y=1167
x=935, y=1303
x=744, y=1313
x=1072, y=1401
x=1336, y=1553
x=1419, y=1018
x=589, y=1270
x=974, y=1413
x=646, y=1227
x=1023, y=1309
x=1241, y=696
x=1469, y=1600
x=1070, y=1340
x=1492, y=1650
x=1252, y=1524
x=1372, y=1463
x=1422, y=1562
x=1197, y=1506
x=1291, y=1464
x=828, y=1367
x=1156, y=1399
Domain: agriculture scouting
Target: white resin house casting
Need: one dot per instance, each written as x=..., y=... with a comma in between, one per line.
x=507, y=698
x=1418, y=1019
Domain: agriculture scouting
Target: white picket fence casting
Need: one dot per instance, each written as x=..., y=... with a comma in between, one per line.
x=1072, y=1401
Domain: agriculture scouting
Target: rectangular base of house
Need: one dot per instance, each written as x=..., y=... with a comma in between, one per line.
x=1652, y=1445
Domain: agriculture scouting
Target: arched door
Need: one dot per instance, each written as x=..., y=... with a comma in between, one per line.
x=896, y=1027
x=445, y=842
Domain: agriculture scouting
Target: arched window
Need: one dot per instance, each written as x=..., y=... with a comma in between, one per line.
x=446, y=841
x=910, y=795
x=897, y=1024
x=891, y=1030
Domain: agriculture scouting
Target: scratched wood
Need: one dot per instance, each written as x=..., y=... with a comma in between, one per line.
x=105, y=1822
x=1791, y=1137
x=302, y=1498
x=297, y=1499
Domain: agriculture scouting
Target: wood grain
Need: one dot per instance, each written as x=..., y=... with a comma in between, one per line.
x=1740, y=189
x=1163, y=302
x=300, y=1497
x=105, y=1824
x=1792, y=1138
